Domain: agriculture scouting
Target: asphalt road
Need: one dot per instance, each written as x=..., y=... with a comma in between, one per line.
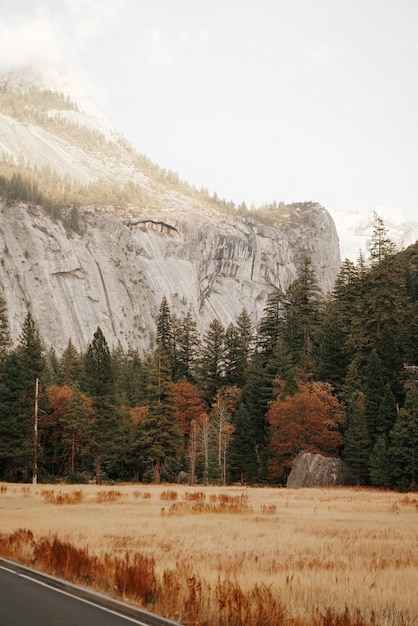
x=28, y=598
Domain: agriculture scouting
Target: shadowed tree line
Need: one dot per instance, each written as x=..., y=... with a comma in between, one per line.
x=336, y=376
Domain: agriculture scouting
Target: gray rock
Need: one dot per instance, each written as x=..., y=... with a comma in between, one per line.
x=315, y=470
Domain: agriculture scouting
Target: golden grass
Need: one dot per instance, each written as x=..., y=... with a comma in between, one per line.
x=226, y=555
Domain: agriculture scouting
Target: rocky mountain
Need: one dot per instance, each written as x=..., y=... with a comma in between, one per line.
x=93, y=233
x=355, y=230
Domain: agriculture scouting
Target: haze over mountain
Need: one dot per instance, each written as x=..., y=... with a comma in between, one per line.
x=118, y=233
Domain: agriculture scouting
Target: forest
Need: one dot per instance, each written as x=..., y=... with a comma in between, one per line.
x=335, y=375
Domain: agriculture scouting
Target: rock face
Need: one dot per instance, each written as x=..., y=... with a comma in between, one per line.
x=315, y=470
x=114, y=269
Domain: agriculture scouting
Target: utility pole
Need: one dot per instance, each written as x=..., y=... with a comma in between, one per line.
x=35, y=435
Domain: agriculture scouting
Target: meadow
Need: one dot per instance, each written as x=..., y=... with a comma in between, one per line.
x=226, y=556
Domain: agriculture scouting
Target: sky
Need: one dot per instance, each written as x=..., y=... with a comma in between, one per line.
x=256, y=100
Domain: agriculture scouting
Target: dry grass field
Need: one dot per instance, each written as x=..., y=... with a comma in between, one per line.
x=226, y=556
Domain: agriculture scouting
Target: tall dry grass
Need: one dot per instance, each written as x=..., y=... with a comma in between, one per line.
x=227, y=556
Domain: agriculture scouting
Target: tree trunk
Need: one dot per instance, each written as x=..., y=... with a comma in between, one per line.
x=157, y=472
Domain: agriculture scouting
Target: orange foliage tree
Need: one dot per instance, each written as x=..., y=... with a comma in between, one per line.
x=67, y=425
x=309, y=420
x=192, y=420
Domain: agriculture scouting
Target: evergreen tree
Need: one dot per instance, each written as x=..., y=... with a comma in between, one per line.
x=302, y=315
x=332, y=359
x=70, y=366
x=379, y=463
x=347, y=301
x=242, y=458
x=5, y=340
x=391, y=358
x=30, y=354
x=15, y=422
x=384, y=285
x=280, y=364
x=356, y=440
x=353, y=381
x=212, y=361
x=374, y=390
x=164, y=329
x=271, y=324
x=256, y=396
x=76, y=432
x=99, y=385
x=387, y=412
x=159, y=435
x=403, y=448
x=238, y=347
x=186, y=343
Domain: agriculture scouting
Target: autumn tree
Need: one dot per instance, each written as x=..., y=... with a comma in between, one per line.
x=191, y=413
x=222, y=428
x=309, y=420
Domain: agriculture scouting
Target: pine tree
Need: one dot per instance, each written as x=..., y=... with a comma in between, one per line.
x=280, y=364
x=387, y=412
x=5, y=339
x=212, y=361
x=239, y=340
x=379, y=463
x=332, y=359
x=384, y=284
x=164, y=329
x=302, y=315
x=15, y=422
x=30, y=354
x=99, y=385
x=186, y=348
x=70, y=366
x=270, y=326
x=256, y=396
x=403, y=447
x=242, y=458
x=356, y=440
x=159, y=434
x=374, y=390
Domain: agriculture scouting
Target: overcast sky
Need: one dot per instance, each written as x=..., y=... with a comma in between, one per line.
x=256, y=100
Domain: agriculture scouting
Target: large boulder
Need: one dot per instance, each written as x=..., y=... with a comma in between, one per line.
x=315, y=470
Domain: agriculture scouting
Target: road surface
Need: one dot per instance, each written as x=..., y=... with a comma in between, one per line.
x=28, y=598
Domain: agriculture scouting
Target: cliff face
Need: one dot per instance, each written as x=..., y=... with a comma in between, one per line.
x=163, y=239
x=116, y=271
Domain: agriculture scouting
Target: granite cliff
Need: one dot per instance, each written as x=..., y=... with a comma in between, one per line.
x=140, y=233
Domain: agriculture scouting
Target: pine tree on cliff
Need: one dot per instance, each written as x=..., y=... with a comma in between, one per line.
x=5, y=340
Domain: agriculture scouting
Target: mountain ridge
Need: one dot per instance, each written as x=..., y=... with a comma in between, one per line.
x=141, y=234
